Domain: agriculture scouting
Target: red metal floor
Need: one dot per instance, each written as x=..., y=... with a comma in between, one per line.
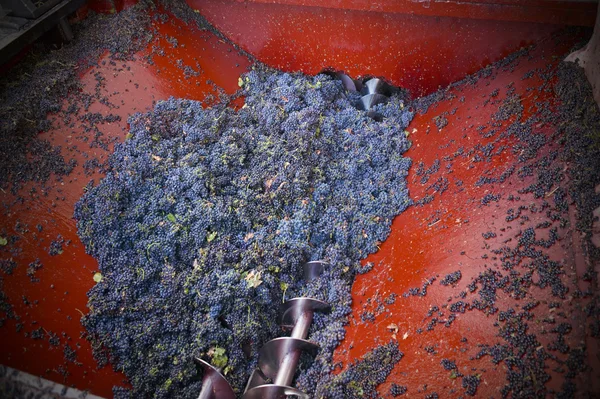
x=446, y=235
x=440, y=237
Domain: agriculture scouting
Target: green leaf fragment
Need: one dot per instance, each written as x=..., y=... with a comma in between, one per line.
x=97, y=277
x=3, y=241
x=219, y=358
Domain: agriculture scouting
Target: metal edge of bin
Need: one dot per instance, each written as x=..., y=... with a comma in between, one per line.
x=13, y=43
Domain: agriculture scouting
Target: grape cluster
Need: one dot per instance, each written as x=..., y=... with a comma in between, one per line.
x=361, y=378
x=398, y=390
x=56, y=246
x=205, y=217
x=470, y=384
x=448, y=364
x=451, y=278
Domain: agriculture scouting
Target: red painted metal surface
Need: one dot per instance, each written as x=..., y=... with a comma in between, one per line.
x=420, y=53
x=542, y=11
x=65, y=278
x=446, y=235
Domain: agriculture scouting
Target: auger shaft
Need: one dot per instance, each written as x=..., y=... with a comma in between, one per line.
x=278, y=358
x=290, y=361
x=207, y=389
x=303, y=325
